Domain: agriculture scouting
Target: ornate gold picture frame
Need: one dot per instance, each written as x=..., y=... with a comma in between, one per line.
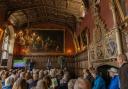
x=122, y=6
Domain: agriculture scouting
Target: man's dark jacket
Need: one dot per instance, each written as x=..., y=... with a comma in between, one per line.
x=123, y=74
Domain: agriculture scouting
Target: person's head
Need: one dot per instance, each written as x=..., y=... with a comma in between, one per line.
x=41, y=84
x=20, y=84
x=83, y=84
x=13, y=72
x=28, y=76
x=52, y=73
x=121, y=59
x=22, y=75
x=35, y=76
x=45, y=73
x=112, y=72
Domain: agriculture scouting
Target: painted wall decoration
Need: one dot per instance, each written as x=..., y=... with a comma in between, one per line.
x=122, y=8
x=99, y=52
x=92, y=54
x=125, y=41
x=110, y=45
x=98, y=40
x=40, y=41
x=98, y=35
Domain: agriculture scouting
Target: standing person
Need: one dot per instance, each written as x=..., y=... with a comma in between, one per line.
x=123, y=71
x=114, y=84
x=99, y=82
x=31, y=65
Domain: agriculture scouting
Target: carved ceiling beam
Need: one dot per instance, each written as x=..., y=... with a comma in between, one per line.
x=52, y=8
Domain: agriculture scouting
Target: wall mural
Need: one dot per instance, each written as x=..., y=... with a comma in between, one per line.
x=110, y=45
x=40, y=41
x=122, y=8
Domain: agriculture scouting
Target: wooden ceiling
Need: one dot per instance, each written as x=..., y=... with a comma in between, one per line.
x=66, y=12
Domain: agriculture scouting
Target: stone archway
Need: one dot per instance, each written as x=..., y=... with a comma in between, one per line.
x=103, y=71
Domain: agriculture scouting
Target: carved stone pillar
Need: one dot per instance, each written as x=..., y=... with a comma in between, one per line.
x=115, y=26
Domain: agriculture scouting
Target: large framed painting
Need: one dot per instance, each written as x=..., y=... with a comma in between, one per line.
x=123, y=8
x=40, y=41
x=110, y=45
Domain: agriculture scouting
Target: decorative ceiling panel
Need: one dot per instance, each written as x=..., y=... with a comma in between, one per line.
x=63, y=11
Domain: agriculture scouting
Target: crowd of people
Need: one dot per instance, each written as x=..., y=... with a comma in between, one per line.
x=61, y=79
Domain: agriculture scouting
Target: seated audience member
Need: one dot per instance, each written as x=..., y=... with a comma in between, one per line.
x=53, y=78
x=48, y=81
x=5, y=75
x=20, y=84
x=83, y=84
x=8, y=83
x=18, y=74
x=87, y=75
x=41, y=74
x=114, y=84
x=76, y=85
x=99, y=82
x=42, y=84
x=59, y=75
x=22, y=75
x=71, y=84
x=35, y=80
x=64, y=82
x=45, y=72
x=13, y=75
x=28, y=79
